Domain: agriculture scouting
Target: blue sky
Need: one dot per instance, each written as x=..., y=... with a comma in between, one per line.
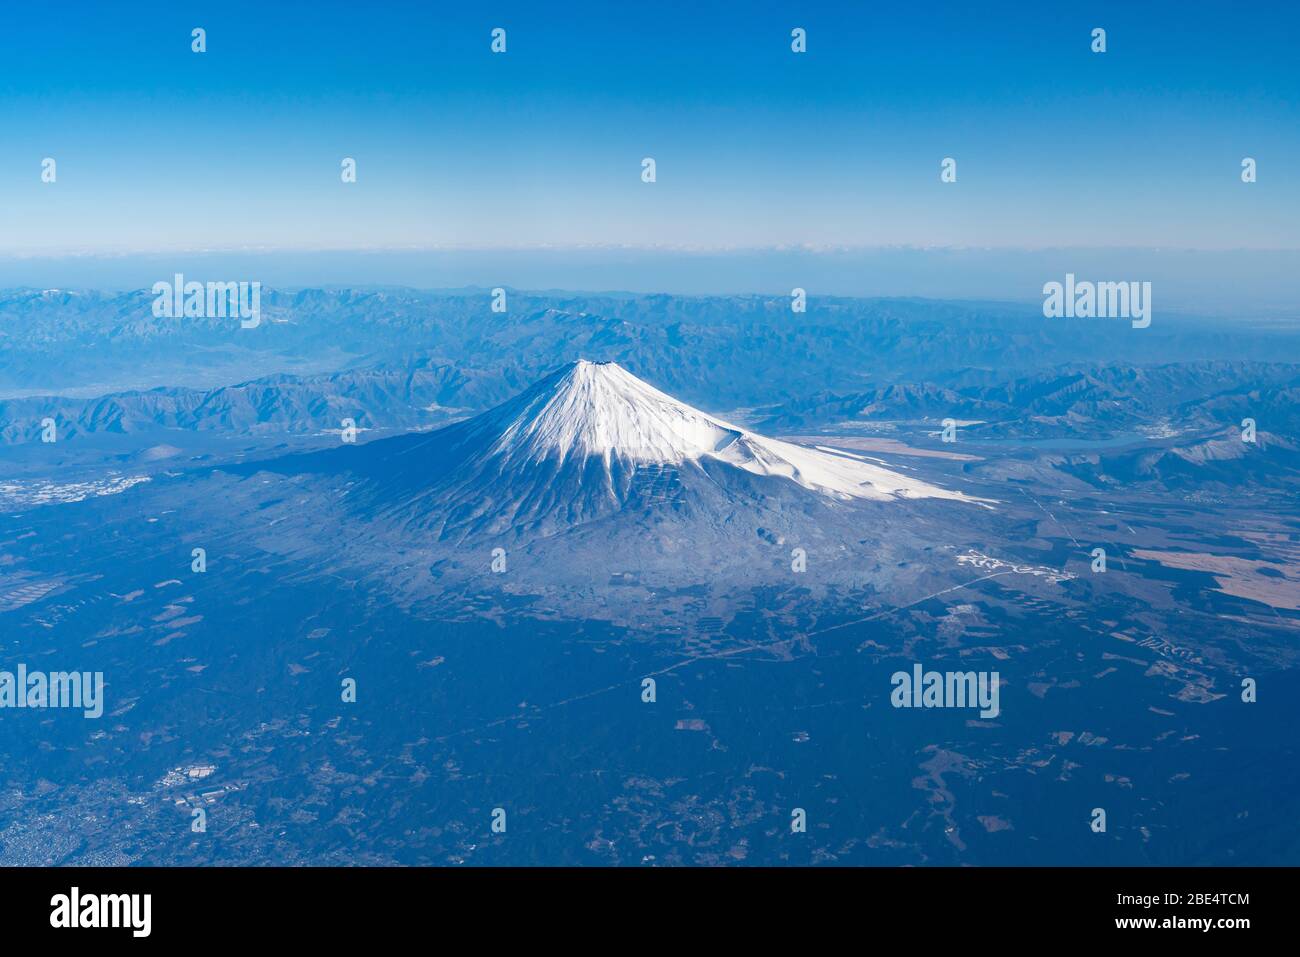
x=162, y=149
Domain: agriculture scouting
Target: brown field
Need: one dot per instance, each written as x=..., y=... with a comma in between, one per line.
x=1237, y=576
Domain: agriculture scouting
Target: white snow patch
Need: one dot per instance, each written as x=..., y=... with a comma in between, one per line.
x=53, y=493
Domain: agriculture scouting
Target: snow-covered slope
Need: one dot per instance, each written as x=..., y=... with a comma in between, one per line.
x=599, y=410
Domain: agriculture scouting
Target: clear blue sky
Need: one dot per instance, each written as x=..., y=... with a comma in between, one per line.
x=159, y=148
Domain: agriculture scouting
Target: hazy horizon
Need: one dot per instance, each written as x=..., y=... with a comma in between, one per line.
x=1240, y=283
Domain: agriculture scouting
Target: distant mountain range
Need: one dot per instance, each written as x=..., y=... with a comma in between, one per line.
x=721, y=352
x=1091, y=402
x=417, y=394
x=1221, y=461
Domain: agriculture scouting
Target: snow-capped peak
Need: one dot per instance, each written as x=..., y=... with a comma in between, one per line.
x=600, y=410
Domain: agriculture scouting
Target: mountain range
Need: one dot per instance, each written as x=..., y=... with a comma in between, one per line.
x=61, y=342
x=1090, y=402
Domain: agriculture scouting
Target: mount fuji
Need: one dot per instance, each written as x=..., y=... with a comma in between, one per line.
x=593, y=477
x=590, y=440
